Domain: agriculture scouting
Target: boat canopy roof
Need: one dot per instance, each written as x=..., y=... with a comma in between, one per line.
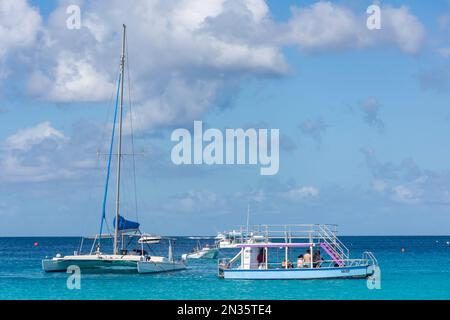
x=292, y=231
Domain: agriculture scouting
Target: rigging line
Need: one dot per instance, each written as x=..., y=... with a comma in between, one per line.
x=102, y=137
x=132, y=133
x=110, y=101
x=109, y=162
x=103, y=134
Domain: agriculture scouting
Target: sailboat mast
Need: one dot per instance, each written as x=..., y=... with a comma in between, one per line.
x=119, y=144
x=248, y=218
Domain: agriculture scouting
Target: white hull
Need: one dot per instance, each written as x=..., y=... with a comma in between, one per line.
x=154, y=267
x=299, y=274
x=202, y=254
x=109, y=263
x=228, y=245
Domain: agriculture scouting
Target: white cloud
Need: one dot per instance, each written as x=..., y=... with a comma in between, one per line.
x=407, y=183
x=27, y=154
x=19, y=25
x=328, y=26
x=192, y=48
x=403, y=29
x=180, y=60
x=74, y=80
x=24, y=139
x=198, y=201
x=301, y=193
x=180, y=102
x=42, y=153
x=405, y=195
x=324, y=25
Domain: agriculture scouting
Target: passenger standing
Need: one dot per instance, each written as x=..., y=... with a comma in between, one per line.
x=307, y=259
x=300, y=261
x=261, y=258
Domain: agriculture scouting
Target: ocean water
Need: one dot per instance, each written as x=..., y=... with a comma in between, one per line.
x=421, y=272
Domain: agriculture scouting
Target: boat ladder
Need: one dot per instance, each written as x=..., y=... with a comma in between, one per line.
x=332, y=245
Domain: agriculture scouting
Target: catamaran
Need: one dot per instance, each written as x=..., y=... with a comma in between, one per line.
x=121, y=258
x=295, y=252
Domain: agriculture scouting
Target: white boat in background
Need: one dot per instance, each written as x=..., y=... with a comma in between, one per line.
x=255, y=261
x=149, y=239
x=229, y=239
x=206, y=252
x=200, y=237
x=125, y=231
x=233, y=239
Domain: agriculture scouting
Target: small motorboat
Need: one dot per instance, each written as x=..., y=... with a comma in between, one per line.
x=149, y=239
x=206, y=252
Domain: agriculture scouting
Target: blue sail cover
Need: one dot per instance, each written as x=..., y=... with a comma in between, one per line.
x=125, y=224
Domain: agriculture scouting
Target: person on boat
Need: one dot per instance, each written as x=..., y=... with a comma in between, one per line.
x=286, y=265
x=300, y=261
x=316, y=259
x=261, y=258
x=307, y=259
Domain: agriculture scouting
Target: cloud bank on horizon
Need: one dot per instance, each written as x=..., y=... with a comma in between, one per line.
x=190, y=59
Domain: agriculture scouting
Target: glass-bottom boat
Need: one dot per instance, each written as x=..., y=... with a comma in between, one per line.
x=304, y=243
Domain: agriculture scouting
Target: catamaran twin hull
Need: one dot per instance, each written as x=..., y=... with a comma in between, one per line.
x=111, y=264
x=298, y=274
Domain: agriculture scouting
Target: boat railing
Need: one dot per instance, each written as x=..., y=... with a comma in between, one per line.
x=286, y=232
x=370, y=257
x=366, y=260
x=331, y=239
x=312, y=232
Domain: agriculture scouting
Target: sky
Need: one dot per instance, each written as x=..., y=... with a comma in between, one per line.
x=363, y=114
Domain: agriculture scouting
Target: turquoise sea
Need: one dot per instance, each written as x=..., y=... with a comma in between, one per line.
x=421, y=272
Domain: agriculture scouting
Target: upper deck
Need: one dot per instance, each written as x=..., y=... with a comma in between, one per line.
x=325, y=234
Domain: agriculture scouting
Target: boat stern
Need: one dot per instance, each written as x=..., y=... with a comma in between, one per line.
x=160, y=264
x=53, y=265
